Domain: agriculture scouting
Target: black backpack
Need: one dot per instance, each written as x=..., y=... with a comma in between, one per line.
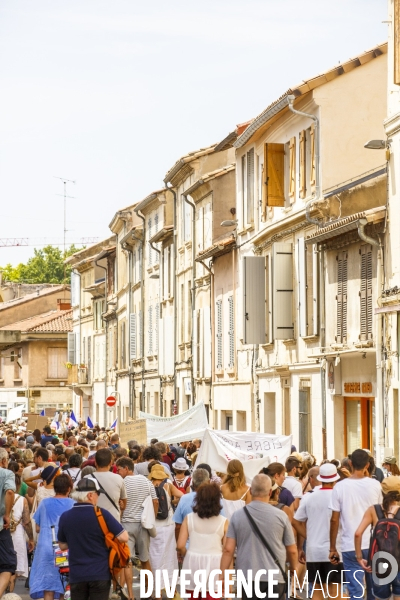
x=163, y=508
x=385, y=535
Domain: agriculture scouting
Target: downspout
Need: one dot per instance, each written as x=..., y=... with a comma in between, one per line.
x=323, y=337
x=140, y=240
x=159, y=301
x=80, y=316
x=193, y=294
x=362, y=223
x=309, y=204
x=170, y=189
x=212, y=332
x=142, y=304
x=106, y=348
x=129, y=250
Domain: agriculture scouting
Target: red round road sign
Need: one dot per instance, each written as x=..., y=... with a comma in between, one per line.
x=111, y=401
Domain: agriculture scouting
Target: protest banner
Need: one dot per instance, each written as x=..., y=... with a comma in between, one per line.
x=254, y=450
x=133, y=430
x=36, y=422
x=180, y=428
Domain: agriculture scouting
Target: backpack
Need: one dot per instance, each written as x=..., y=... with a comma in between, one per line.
x=119, y=554
x=385, y=535
x=163, y=507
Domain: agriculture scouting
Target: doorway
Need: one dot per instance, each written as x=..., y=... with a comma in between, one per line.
x=359, y=424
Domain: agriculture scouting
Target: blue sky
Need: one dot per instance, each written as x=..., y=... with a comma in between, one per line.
x=111, y=93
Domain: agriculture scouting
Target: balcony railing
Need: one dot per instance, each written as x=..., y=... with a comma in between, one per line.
x=77, y=374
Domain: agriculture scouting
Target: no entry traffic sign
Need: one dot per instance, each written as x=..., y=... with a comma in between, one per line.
x=111, y=401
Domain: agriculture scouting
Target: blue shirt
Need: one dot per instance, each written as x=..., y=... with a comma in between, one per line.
x=45, y=440
x=185, y=507
x=88, y=554
x=286, y=497
x=7, y=482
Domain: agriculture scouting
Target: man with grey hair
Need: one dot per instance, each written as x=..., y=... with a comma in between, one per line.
x=252, y=554
x=8, y=557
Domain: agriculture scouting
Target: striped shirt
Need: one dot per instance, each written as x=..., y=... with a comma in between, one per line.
x=138, y=488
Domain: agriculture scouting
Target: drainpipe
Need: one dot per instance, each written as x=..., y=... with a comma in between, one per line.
x=309, y=204
x=361, y=232
x=106, y=348
x=159, y=300
x=80, y=319
x=142, y=303
x=212, y=332
x=193, y=294
x=323, y=336
x=129, y=250
x=170, y=189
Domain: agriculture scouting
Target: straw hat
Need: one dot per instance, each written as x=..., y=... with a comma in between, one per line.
x=391, y=484
x=157, y=472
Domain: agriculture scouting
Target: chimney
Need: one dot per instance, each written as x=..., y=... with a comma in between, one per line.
x=63, y=305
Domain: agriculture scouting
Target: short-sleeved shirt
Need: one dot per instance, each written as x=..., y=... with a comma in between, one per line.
x=314, y=508
x=293, y=485
x=88, y=554
x=45, y=439
x=7, y=482
x=138, y=488
x=251, y=552
x=286, y=497
x=115, y=488
x=185, y=507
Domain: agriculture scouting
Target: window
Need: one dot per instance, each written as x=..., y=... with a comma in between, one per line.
x=341, y=298
x=254, y=291
x=157, y=328
x=156, y=220
x=132, y=336
x=122, y=345
x=366, y=293
x=283, y=326
x=150, y=224
x=273, y=177
x=150, y=331
x=269, y=413
x=186, y=220
x=111, y=275
x=307, y=162
x=231, y=333
x=219, y=334
x=98, y=310
x=304, y=421
x=307, y=277
x=250, y=187
x=182, y=313
x=89, y=359
x=56, y=359
x=189, y=303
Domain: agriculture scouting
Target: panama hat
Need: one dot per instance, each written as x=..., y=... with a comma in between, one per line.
x=180, y=464
x=328, y=473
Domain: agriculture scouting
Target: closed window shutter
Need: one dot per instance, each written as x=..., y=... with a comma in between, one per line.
x=207, y=217
x=244, y=190
x=98, y=366
x=132, y=336
x=292, y=170
x=302, y=165
x=396, y=42
x=283, y=291
x=231, y=333
x=341, y=298
x=71, y=348
x=149, y=247
x=196, y=343
x=122, y=349
x=89, y=359
x=199, y=228
x=206, y=346
x=302, y=290
x=312, y=157
x=275, y=174
x=366, y=293
x=156, y=221
x=312, y=289
x=103, y=358
x=254, y=300
x=219, y=333
x=250, y=187
x=264, y=189
x=157, y=327
x=52, y=359
x=150, y=344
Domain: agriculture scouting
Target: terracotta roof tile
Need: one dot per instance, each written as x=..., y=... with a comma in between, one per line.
x=50, y=322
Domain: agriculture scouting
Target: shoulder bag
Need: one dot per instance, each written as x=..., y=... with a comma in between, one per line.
x=105, y=493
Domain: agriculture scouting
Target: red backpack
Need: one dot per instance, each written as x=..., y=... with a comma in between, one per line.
x=385, y=536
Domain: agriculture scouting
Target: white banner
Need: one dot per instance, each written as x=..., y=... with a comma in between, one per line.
x=180, y=428
x=254, y=450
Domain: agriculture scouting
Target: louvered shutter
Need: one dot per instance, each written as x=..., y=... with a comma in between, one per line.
x=341, y=298
x=254, y=292
x=292, y=170
x=275, y=174
x=150, y=331
x=71, y=348
x=283, y=291
x=161, y=347
x=366, y=293
x=302, y=287
x=156, y=222
x=52, y=359
x=218, y=319
x=207, y=218
x=264, y=188
x=89, y=359
x=312, y=278
x=132, y=336
x=206, y=346
x=140, y=326
x=168, y=345
x=302, y=161
x=312, y=157
x=196, y=343
x=157, y=327
x=98, y=366
x=103, y=358
x=150, y=224
x=250, y=187
x=231, y=333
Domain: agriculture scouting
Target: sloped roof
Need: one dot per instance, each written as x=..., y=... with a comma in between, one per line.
x=186, y=159
x=54, y=321
x=38, y=294
x=306, y=86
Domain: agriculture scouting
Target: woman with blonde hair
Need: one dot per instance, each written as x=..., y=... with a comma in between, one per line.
x=235, y=491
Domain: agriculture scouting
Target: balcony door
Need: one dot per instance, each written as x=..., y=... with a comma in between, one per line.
x=359, y=424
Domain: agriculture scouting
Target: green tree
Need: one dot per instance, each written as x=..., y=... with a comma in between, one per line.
x=45, y=266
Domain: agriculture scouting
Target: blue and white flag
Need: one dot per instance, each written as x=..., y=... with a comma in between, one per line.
x=113, y=426
x=42, y=413
x=55, y=425
x=72, y=421
x=89, y=423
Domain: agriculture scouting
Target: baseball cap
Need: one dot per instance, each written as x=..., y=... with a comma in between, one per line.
x=30, y=439
x=389, y=460
x=391, y=484
x=88, y=484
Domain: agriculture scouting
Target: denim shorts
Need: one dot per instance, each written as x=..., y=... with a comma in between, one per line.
x=383, y=592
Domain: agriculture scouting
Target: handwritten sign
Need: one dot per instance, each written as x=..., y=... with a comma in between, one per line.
x=133, y=430
x=36, y=422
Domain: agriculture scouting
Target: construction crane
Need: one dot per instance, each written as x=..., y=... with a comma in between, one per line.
x=10, y=242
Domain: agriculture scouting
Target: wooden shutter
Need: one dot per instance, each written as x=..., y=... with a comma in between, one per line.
x=302, y=286
x=312, y=289
x=207, y=227
x=283, y=291
x=122, y=345
x=148, y=245
x=52, y=360
x=71, y=348
x=302, y=165
x=103, y=358
x=312, y=157
x=254, y=291
x=304, y=420
x=98, y=367
x=396, y=41
x=250, y=187
x=218, y=319
x=231, y=333
x=157, y=327
x=264, y=189
x=196, y=343
x=275, y=174
x=150, y=331
x=199, y=229
x=341, y=298
x=292, y=170
x=207, y=341
x=89, y=359
x=366, y=293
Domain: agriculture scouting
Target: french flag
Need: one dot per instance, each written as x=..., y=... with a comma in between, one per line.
x=42, y=413
x=114, y=425
x=72, y=421
x=89, y=423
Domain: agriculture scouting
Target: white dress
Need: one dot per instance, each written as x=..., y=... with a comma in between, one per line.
x=231, y=506
x=19, y=538
x=205, y=545
x=163, y=547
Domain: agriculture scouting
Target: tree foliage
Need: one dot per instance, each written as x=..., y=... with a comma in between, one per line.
x=45, y=266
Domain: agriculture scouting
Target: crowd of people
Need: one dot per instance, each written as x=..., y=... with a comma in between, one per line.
x=311, y=521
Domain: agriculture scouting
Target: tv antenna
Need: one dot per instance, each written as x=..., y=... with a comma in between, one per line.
x=65, y=181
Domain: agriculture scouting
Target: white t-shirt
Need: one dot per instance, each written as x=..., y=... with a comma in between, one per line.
x=314, y=508
x=293, y=485
x=351, y=497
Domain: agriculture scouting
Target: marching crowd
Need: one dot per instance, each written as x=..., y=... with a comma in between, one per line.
x=83, y=492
